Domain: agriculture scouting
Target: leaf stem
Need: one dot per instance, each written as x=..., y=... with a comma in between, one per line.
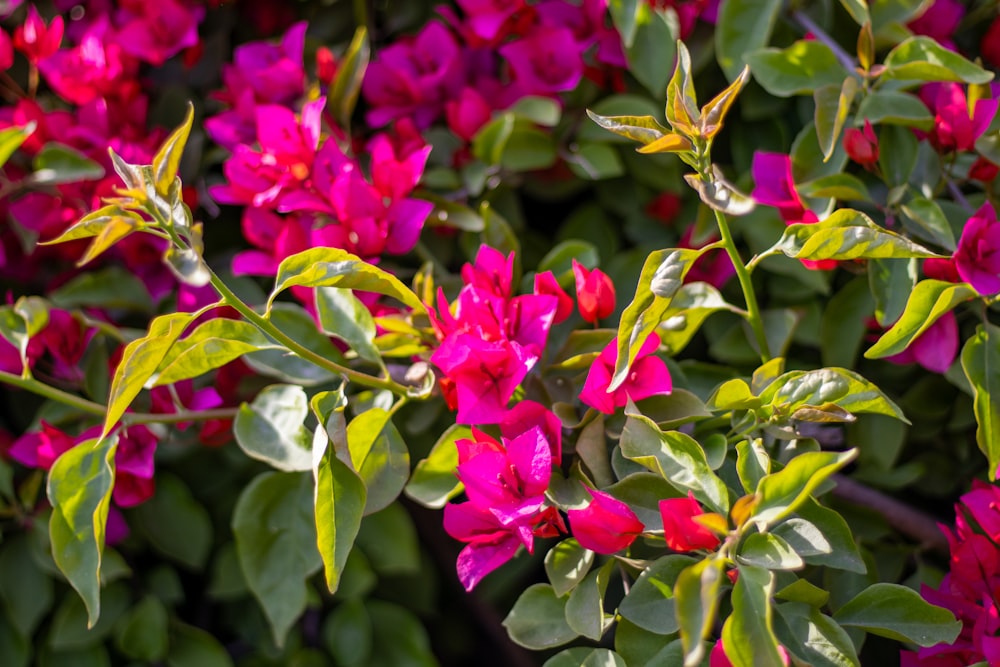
x=47, y=391
x=753, y=309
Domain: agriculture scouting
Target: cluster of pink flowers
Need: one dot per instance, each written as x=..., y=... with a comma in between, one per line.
x=970, y=589
x=288, y=169
x=505, y=482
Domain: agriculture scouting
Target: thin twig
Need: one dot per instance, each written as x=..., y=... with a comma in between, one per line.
x=821, y=36
x=910, y=521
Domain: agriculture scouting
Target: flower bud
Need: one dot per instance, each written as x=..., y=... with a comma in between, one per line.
x=595, y=293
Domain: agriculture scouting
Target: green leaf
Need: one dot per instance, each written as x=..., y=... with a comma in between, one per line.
x=890, y=282
x=677, y=457
x=212, y=344
x=168, y=159
x=642, y=492
x=57, y=163
x=650, y=602
x=340, y=493
x=490, y=142
x=586, y=657
x=843, y=325
x=538, y=619
x=543, y=111
x=585, y=606
x=175, y=524
x=380, y=456
x=79, y=489
x=929, y=300
x=897, y=154
x=25, y=589
x=930, y=221
x=743, y=26
x=651, y=49
x=389, y=539
x=13, y=646
x=11, y=139
x=193, y=647
x=94, y=223
x=822, y=537
x=142, y=632
x=342, y=314
x=141, y=358
x=347, y=634
x=661, y=278
x=333, y=267
x=837, y=186
x=752, y=464
x=69, y=631
x=813, y=637
x=802, y=68
x=271, y=428
x=748, y=633
x=858, y=9
x=566, y=564
x=845, y=388
x=595, y=161
x=803, y=591
x=109, y=287
x=696, y=595
x=343, y=94
x=923, y=59
x=690, y=307
x=770, y=552
x=981, y=363
x=833, y=103
x=111, y=232
x=528, y=149
x=899, y=613
x=846, y=234
x=399, y=637
x=276, y=545
x=783, y=492
x=719, y=194
x=295, y=322
x=433, y=482
x=644, y=129
x=187, y=265
x=733, y=394
x=894, y=107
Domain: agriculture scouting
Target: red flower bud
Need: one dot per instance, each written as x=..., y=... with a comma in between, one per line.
x=862, y=145
x=679, y=528
x=326, y=65
x=990, y=46
x=36, y=40
x=595, y=293
x=983, y=170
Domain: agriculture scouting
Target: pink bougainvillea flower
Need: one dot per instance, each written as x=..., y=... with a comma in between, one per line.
x=595, y=293
x=397, y=167
x=940, y=21
x=935, y=349
x=485, y=374
x=414, y=78
x=467, y=113
x=155, y=31
x=968, y=589
x=977, y=257
x=96, y=67
x=275, y=72
x=862, y=145
x=606, y=525
x=36, y=40
x=775, y=186
x=486, y=18
x=492, y=272
x=64, y=340
x=545, y=62
x=546, y=283
x=956, y=126
x=529, y=414
x=647, y=377
x=942, y=268
x=679, y=528
x=714, y=267
x=489, y=544
x=40, y=449
x=134, y=482
x=6, y=50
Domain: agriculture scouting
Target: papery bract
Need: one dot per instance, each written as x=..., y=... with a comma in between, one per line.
x=490, y=544
x=977, y=257
x=546, y=283
x=956, y=126
x=648, y=376
x=595, y=293
x=36, y=39
x=467, y=114
x=545, y=62
x=935, y=349
x=940, y=20
x=861, y=145
x=680, y=530
x=605, y=526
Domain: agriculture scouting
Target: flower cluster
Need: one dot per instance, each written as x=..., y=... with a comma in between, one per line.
x=969, y=590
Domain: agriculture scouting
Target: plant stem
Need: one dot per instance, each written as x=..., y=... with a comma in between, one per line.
x=277, y=334
x=98, y=410
x=46, y=391
x=753, y=309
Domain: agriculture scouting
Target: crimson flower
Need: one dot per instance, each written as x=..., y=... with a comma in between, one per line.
x=606, y=525
x=680, y=529
x=595, y=293
x=648, y=376
x=977, y=257
x=862, y=145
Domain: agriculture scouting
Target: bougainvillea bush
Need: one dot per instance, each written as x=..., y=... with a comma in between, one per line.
x=513, y=332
